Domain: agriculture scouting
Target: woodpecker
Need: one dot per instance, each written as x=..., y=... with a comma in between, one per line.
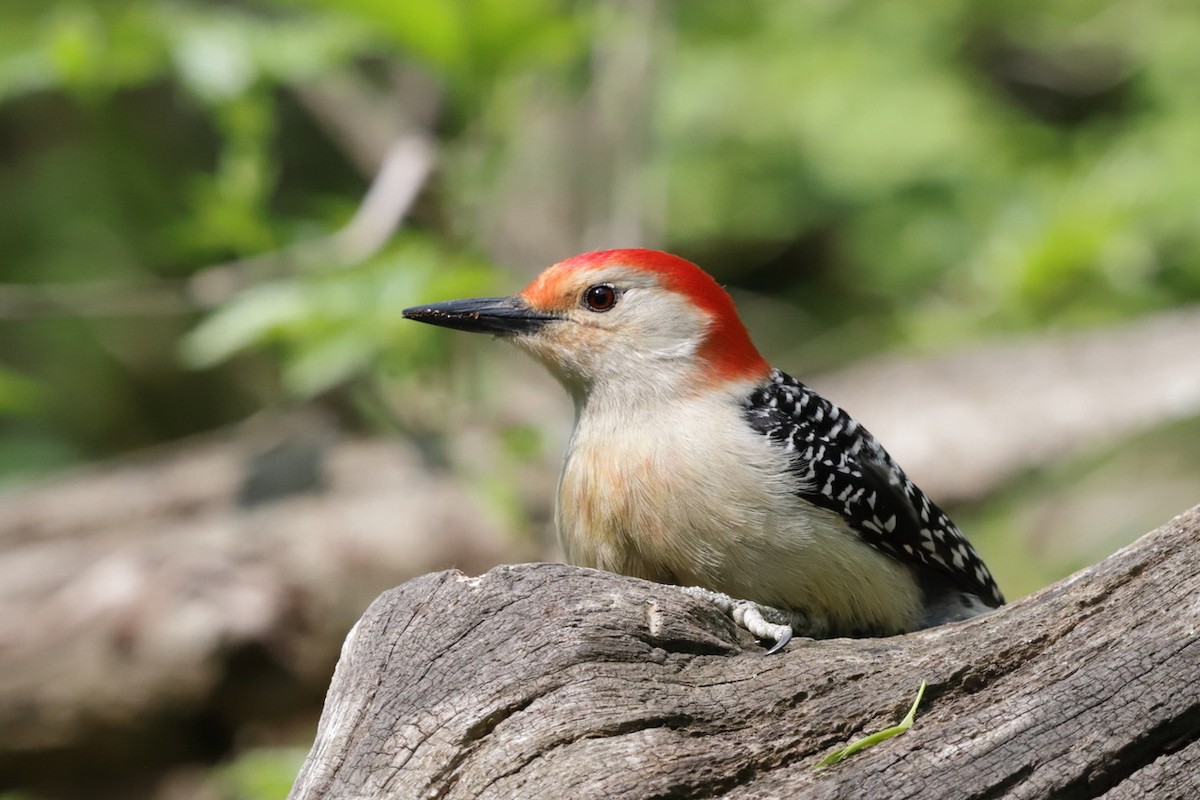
x=693, y=462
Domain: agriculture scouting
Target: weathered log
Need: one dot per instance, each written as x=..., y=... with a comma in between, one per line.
x=549, y=681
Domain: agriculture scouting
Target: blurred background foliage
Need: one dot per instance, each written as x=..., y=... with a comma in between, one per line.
x=182, y=187
x=902, y=179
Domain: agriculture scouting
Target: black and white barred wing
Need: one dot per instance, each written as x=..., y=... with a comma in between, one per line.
x=840, y=466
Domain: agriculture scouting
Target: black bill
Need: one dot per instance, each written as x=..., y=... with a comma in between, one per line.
x=482, y=315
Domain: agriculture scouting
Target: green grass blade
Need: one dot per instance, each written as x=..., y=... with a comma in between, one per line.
x=875, y=738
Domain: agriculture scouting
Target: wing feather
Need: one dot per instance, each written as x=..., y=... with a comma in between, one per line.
x=840, y=466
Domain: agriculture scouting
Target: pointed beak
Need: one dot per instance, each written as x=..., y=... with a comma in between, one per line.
x=497, y=315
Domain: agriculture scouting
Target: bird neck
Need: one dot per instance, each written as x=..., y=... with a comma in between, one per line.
x=619, y=403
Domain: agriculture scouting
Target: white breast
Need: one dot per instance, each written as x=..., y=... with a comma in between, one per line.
x=686, y=492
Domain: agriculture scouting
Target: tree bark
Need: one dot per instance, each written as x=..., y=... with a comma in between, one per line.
x=549, y=681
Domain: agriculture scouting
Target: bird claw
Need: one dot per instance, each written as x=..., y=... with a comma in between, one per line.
x=750, y=616
x=747, y=615
x=782, y=641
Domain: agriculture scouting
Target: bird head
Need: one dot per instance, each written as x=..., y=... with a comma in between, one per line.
x=623, y=320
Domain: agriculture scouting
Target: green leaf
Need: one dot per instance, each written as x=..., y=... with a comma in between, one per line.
x=331, y=326
x=254, y=317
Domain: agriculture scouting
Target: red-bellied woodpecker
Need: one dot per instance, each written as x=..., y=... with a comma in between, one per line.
x=693, y=462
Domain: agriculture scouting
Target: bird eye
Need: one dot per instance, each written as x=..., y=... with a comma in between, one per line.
x=600, y=297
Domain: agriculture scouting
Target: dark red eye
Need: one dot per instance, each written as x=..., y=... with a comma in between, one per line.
x=601, y=297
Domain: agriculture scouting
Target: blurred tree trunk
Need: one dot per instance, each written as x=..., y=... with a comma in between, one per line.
x=548, y=681
x=964, y=423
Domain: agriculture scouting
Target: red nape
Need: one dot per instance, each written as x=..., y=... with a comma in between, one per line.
x=728, y=349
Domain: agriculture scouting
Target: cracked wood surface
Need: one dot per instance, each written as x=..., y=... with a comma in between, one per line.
x=550, y=681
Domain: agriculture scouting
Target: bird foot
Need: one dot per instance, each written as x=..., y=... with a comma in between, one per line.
x=764, y=622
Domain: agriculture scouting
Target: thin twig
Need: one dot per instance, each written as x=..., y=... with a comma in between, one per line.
x=404, y=171
x=406, y=167
x=372, y=131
